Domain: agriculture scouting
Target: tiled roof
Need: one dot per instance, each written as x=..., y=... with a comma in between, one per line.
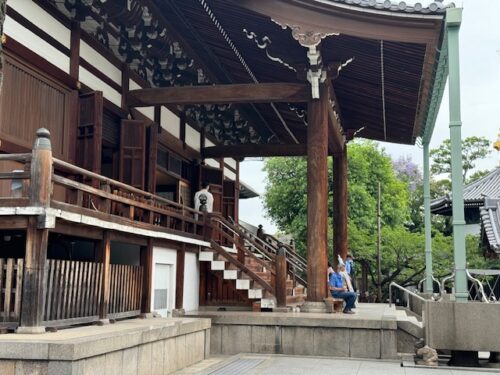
x=435, y=7
x=490, y=221
x=474, y=193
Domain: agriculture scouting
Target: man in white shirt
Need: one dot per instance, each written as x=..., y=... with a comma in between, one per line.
x=203, y=199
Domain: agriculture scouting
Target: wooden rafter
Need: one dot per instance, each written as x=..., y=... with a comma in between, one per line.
x=220, y=94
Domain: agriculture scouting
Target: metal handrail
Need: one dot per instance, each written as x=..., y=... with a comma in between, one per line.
x=407, y=291
x=445, y=279
x=479, y=285
x=433, y=279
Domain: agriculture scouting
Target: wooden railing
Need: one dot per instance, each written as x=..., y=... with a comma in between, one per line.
x=11, y=280
x=89, y=193
x=73, y=292
x=126, y=290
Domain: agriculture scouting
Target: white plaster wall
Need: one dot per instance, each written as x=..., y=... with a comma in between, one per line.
x=229, y=174
x=97, y=84
x=192, y=138
x=96, y=59
x=149, y=112
x=170, y=122
x=231, y=162
x=43, y=20
x=165, y=256
x=191, y=297
x=25, y=37
x=208, y=143
x=212, y=162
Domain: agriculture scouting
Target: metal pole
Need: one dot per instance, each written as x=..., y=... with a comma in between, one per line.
x=379, y=269
x=453, y=20
x=427, y=222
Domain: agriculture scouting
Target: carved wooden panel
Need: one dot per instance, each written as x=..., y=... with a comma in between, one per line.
x=132, y=153
x=89, y=132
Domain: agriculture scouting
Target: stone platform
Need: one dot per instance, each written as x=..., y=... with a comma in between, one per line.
x=136, y=346
x=370, y=333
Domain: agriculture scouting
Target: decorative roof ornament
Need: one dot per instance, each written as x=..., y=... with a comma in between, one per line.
x=311, y=40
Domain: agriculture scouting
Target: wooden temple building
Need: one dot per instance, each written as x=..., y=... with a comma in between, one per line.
x=112, y=113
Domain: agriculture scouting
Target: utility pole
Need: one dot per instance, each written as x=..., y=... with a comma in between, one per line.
x=379, y=269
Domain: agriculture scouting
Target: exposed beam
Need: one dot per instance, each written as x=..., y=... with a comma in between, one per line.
x=254, y=150
x=220, y=94
x=336, y=139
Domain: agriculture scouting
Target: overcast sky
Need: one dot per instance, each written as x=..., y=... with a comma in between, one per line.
x=480, y=89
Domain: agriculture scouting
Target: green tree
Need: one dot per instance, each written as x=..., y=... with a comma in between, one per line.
x=473, y=149
x=285, y=198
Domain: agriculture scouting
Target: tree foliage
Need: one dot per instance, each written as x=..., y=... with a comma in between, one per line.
x=473, y=149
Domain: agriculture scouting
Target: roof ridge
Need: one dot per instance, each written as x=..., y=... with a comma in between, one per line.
x=436, y=7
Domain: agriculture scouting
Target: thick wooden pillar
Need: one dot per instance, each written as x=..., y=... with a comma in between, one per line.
x=340, y=210
x=105, y=256
x=179, y=277
x=317, y=196
x=147, y=284
x=33, y=301
x=34, y=284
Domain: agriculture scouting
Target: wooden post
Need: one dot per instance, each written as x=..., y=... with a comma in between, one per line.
x=147, y=264
x=179, y=276
x=34, y=283
x=105, y=253
x=317, y=196
x=340, y=210
x=280, y=286
x=240, y=252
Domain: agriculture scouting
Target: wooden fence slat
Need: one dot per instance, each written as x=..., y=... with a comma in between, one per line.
x=59, y=292
x=8, y=289
x=88, y=301
x=76, y=288
x=2, y=314
x=19, y=288
x=121, y=285
x=50, y=289
x=115, y=287
x=135, y=289
x=84, y=288
x=98, y=288
x=78, y=311
x=66, y=287
x=130, y=289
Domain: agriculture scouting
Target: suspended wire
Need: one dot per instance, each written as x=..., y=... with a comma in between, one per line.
x=383, y=86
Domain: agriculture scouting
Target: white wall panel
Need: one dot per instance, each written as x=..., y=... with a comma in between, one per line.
x=36, y=44
x=191, y=300
x=97, y=84
x=212, y=162
x=100, y=62
x=43, y=20
x=208, y=143
x=229, y=174
x=132, y=85
x=192, y=138
x=170, y=122
x=149, y=112
x=231, y=162
x=165, y=256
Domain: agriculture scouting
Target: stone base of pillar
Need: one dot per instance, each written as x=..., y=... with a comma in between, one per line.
x=103, y=322
x=31, y=330
x=147, y=315
x=313, y=307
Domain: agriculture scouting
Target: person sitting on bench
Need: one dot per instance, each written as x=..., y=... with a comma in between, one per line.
x=339, y=289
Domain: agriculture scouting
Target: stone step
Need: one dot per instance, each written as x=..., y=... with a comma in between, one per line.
x=218, y=265
x=242, y=284
x=206, y=256
x=230, y=274
x=255, y=293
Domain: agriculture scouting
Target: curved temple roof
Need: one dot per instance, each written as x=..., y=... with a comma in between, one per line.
x=475, y=194
x=385, y=59
x=490, y=221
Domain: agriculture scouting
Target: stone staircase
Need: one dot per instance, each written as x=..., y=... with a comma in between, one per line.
x=410, y=329
x=263, y=298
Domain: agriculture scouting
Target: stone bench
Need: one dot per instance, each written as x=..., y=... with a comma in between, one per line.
x=334, y=305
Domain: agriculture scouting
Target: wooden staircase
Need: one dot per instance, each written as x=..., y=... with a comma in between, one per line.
x=252, y=265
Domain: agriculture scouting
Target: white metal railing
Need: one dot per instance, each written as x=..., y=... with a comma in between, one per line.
x=406, y=291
